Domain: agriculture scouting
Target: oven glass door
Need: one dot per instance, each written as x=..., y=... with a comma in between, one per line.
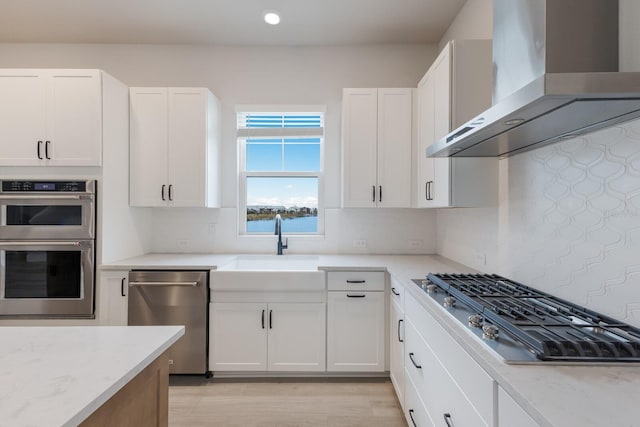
x=46, y=279
x=67, y=216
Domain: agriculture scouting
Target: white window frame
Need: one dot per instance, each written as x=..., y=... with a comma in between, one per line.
x=241, y=137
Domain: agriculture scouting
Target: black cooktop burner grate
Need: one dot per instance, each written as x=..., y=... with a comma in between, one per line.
x=553, y=328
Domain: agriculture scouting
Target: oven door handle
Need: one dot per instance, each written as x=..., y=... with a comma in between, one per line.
x=163, y=283
x=45, y=196
x=39, y=243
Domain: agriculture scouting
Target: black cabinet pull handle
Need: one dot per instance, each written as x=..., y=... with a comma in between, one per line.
x=39, y=145
x=262, y=319
x=447, y=419
x=380, y=195
x=399, y=322
x=46, y=149
x=426, y=190
x=122, y=287
x=373, y=193
x=270, y=319
x=356, y=281
x=356, y=296
x=396, y=293
x=414, y=362
x=411, y=411
x=170, y=192
x=162, y=192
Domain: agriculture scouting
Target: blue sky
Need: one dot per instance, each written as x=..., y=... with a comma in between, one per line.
x=290, y=155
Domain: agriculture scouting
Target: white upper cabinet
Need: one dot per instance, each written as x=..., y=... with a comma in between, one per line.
x=175, y=144
x=51, y=117
x=455, y=89
x=376, y=146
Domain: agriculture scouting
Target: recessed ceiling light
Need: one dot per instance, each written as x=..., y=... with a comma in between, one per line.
x=271, y=17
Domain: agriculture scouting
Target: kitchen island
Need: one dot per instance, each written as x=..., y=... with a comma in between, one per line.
x=66, y=376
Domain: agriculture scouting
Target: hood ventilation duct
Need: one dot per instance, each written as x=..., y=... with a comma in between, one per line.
x=555, y=77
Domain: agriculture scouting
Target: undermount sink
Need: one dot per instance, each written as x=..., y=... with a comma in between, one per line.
x=272, y=263
x=269, y=273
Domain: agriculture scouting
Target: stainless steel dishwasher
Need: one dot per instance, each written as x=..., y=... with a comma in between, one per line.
x=174, y=298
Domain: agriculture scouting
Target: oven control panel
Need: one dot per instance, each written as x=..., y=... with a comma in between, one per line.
x=11, y=186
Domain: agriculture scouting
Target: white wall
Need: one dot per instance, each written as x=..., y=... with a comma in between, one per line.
x=474, y=21
x=568, y=220
x=258, y=75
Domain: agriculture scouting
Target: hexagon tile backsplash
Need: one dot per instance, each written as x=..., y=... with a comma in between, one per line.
x=572, y=221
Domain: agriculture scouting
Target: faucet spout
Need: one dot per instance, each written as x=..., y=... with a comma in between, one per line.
x=278, y=232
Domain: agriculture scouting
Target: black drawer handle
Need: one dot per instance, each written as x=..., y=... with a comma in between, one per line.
x=122, y=286
x=356, y=296
x=39, y=155
x=270, y=319
x=447, y=419
x=162, y=192
x=414, y=362
x=262, y=319
x=411, y=411
x=356, y=281
x=46, y=150
x=399, y=323
x=396, y=293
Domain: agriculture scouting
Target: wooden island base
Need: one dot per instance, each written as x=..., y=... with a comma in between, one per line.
x=144, y=401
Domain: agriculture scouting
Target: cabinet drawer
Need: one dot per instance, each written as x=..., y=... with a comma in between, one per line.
x=414, y=410
x=510, y=413
x=442, y=396
x=397, y=292
x=467, y=374
x=355, y=280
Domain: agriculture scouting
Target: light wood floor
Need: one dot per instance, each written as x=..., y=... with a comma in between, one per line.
x=283, y=403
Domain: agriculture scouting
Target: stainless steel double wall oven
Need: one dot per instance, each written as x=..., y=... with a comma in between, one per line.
x=47, y=248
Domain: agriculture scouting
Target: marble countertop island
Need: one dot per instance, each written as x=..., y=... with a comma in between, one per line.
x=58, y=376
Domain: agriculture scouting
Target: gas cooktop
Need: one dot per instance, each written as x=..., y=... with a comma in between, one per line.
x=524, y=325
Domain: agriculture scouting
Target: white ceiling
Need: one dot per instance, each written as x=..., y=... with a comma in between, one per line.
x=226, y=22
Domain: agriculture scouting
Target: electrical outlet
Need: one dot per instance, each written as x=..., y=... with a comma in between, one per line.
x=415, y=244
x=183, y=245
x=480, y=258
x=360, y=243
x=211, y=228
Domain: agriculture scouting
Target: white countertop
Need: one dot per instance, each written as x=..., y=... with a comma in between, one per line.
x=559, y=396
x=58, y=376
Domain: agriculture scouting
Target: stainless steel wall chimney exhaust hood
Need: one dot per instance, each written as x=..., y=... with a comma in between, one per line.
x=555, y=77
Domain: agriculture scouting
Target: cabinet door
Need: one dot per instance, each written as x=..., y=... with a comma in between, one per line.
x=114, y=296
x=74, y=118
x=425, y=117
x=359, y=147
x=23, y=113
x=394, y=147
x=396, y=350
x=355, y=332
x=238, y=337
x=440, y=191
x=296, y=337
x=187, y=154
x=148, y=145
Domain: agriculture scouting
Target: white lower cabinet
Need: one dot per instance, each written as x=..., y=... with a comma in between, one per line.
x=396, y=339
x=355, y=331
x=414, y=409
x=267, y=337
x=113, y=297
x=454, y=388
x=510, y=413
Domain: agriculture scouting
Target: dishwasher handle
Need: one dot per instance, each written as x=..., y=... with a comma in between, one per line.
x=163, y=283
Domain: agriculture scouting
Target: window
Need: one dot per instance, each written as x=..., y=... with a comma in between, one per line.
x=280, y=170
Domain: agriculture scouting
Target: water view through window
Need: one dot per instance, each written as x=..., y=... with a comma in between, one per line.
x=295, y=199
